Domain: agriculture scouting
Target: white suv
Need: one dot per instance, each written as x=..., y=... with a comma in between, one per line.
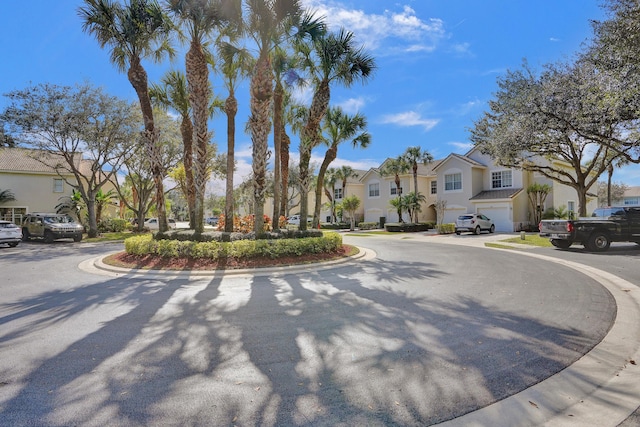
x=474, y=223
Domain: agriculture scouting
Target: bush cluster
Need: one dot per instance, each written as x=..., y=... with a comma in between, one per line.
x=272, y=248
x=407, y=227
x=222, y=236
x=112, y=225
x=447, y=228
x=368, y=225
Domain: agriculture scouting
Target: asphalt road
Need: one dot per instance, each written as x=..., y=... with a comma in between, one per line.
x=421, y=334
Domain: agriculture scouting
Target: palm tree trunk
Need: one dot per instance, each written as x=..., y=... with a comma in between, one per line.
x=284, y=168
x=261, y=94
x=186, y=129
x=198, y=79
x=415, y=178
x=329, y=157
x=138, y=78
x=310, y=137
x=278, y=95
x=231, y=109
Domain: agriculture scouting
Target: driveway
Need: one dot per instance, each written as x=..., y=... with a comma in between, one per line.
x=422, y=333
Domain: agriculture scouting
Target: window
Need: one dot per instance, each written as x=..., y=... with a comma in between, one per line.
x=374, y=189
x=453, y=182
x=337, y=194
x=394, y=190
x=501, y=179
x=434, y=187
x=632, y=201
x=58, y=186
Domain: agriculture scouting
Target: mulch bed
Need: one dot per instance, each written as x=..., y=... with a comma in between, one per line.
x=154, y=262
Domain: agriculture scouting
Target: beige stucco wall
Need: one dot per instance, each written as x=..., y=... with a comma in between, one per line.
x=35, y=192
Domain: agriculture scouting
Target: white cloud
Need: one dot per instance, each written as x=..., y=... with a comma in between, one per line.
x=461, y=147
x=409, y=118
x=352, y=105
x=405, y=28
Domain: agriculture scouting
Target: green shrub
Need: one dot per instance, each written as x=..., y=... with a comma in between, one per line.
x=273, y=248
x=112, y=225
x=447, y=228
x=368, y=225
x=405, y=227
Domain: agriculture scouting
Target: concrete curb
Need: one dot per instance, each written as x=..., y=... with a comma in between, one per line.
x=97, y=266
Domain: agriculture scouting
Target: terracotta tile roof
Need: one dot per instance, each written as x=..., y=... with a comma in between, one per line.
x=508, y=193
x=35, y=161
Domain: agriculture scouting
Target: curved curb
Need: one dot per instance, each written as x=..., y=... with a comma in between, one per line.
x=97, y=266
x=599, y=389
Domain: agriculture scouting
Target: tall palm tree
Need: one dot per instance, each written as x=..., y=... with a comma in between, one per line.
x=338, y=128
x=6, y=196
x=201, y=18
x=343, y=174
x=133, y=32
x=236, y=64
x=413, y=156
x=268, y=23
x=173, y=93
x=396, y=167
x=334, y=58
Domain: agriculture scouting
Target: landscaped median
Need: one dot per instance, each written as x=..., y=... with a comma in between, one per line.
x=145, y=251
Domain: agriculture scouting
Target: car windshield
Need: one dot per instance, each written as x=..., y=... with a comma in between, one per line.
x=58, y=219
x=463, y=217
x=7, y=225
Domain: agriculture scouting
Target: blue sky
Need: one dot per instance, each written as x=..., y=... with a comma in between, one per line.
x=437, y=60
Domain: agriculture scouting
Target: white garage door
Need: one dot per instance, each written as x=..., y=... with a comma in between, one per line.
x=500, y=218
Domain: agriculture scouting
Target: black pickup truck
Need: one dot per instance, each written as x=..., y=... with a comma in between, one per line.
x=606, y=225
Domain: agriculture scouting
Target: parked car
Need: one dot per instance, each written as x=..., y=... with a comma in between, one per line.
x=295, y=219
x=474, y=223
x=10, y=233
x=50, y=227
x=152, y=223
x=213, y=220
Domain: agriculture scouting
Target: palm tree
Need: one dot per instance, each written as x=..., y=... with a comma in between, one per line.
x=413, y=204
x=6, y=196
x=396, y=167
x=350, y=204
x=201, y=17
x=332, y=58
x=268, y=22
x=338, y=127
x=344, y=173
x=133, y=32
x=236, y=64
x=173, y=93
x=413, y=156
x=102, y=200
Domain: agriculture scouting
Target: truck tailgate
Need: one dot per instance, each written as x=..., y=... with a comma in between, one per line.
x=553, y=226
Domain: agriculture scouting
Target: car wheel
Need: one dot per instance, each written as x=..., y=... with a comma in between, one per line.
x=492, y=229
x=77, y=238
x=25, y=235
x=13, y=245
x=48, y=237
x=477, y=230
x=598, y=241
x=562, y=244
x=457, y=232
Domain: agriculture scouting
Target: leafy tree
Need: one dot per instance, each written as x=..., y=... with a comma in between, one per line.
x=351, y=205
x=343, y=174
x=395, y=168
x=549, y=117
x=414, y=156
x=610, y=192
x=441, y=207
x=333, y=58
x=71, y=205
x=338, y=127
x=63, y=123
x=135, y=31
x=102, y=200
x=6, y=140
x=537, y=194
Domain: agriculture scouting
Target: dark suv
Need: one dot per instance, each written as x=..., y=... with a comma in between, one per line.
x=50, y=227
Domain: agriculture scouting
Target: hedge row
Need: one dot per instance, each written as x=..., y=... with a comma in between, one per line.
x=273, y=248
x=407, y=227
x=222, y=236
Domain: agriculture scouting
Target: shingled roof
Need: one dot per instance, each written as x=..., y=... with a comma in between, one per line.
x=508, y=193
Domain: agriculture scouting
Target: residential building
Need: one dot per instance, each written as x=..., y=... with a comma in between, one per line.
x=631, y=197
x=32, y=178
